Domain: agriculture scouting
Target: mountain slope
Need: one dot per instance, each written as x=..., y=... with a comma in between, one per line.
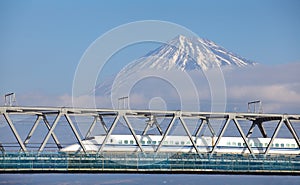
x=183, y=53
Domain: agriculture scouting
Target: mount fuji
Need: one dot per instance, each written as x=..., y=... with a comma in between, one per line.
x=186, y=54
x=189, y=53
x=151, y=83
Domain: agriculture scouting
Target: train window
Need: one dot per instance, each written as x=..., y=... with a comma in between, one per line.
x=282, y=145
x=131, y=142
x=125, y=141
x=171, y=142
x=239, y=144
x=154, y=142
x=260, y=144
x=244, y=144
x=276, y=145
x=266, y=144
x=111, y=140
x=256, y=144
x=165, y=142
x=188, y=142
x=143, y=142
x=234, y=143
x=288, y=145
x=176, y=142
x=148, y=142
x=182, y=142
x=228, y=143
x=293, y=145
x=120, y=142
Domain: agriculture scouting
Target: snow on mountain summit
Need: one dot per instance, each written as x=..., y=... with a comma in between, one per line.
x=190, y=53
x=181, y=53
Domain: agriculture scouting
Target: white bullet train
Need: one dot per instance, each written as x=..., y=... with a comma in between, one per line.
x=127, y=143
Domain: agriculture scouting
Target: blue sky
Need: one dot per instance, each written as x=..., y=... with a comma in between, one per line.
x=41, y=42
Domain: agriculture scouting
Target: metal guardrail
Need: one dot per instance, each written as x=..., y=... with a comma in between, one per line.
x=148, y=163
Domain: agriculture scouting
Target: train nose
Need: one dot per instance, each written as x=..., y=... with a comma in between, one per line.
x=71, y=148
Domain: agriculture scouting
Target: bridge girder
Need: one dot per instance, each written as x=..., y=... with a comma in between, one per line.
x=98, y=115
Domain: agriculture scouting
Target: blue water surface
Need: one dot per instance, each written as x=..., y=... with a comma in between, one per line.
x=145, y=179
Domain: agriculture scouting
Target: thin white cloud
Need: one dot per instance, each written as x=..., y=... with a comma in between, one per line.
x=279, y=92
x=278, y=87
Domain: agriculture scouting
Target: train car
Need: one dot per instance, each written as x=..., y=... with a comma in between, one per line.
x=149, y=143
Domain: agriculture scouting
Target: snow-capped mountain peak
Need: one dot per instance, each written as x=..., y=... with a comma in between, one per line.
x=190, y=53
x=181, y=53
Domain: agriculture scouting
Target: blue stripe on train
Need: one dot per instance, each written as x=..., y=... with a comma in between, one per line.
x=209, y=147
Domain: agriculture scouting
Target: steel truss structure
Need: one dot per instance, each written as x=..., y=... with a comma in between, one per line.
x=98, y=115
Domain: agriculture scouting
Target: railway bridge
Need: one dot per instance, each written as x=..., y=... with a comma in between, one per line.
x=32, y=139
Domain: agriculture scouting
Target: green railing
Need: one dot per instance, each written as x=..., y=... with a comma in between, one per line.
x=149, y=162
